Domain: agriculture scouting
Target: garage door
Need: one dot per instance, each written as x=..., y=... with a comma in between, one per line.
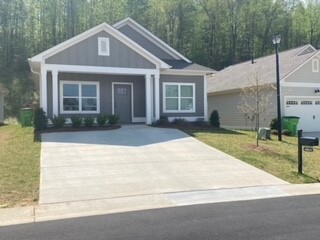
x=307, y=109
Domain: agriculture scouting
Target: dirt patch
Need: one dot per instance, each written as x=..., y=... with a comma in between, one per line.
x=4, y=137
x=260, y=149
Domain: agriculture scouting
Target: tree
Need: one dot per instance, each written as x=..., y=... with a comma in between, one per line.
x=255, y=100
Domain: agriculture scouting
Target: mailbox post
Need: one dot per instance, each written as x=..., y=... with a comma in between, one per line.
x=309, y=142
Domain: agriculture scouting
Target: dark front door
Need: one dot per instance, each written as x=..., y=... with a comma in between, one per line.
x=122, y=102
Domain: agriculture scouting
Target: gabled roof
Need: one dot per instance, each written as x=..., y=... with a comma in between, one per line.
x=102, y=27
x=183, y=65
x=240, y=75
x=164, y=46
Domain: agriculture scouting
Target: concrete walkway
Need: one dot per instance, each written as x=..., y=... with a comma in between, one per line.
x=136, y=160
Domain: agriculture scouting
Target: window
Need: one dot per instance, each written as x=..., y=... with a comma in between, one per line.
x=292, y=102
x=317, y=102
x=179, y=97
x=315, y=65
x=103, y=45
x=79, y=97
x=306, y=102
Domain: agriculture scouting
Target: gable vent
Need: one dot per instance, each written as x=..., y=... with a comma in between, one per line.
x=103, y=46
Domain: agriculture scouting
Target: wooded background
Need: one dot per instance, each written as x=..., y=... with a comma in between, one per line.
x=214, y=33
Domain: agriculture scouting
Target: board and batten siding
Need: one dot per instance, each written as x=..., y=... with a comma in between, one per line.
x=85, y=53
x=1, y=108
x=105, y=82
x=199, y=92
x=144, y=42
x=231, y=117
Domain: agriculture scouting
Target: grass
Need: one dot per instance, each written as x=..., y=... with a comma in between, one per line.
x=278, y=158
x=19, y=166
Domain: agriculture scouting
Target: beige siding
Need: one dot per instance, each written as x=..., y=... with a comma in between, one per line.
x=1, y=108
x=304, y=74
x=230, y=115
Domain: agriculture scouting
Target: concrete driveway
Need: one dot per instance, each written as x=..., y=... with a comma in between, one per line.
x=136, y=160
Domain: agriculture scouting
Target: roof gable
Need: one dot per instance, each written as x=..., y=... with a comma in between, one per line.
x=102, y=27
x=240, y=75
x=151, y=37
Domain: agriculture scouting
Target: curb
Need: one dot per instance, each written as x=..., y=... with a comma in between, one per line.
x=49, y=212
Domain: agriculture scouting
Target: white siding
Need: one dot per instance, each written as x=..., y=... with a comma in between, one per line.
x=230, y=115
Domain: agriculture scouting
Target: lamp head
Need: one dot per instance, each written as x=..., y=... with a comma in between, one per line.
x=276, y=39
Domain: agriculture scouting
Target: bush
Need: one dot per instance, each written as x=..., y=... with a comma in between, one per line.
x=88, y=122
x=274, y=123
x=286, y=132
x=179, y=121
x=274, y=132
x=39, y=119
x=102, y=119
x=113, y=119
x=163, y=120
x=215, y=119
x=58, y=121
x=76, y=121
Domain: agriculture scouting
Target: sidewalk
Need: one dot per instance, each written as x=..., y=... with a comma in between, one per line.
x=49, y=212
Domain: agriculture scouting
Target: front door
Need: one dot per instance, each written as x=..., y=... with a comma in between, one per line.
x=122, y=102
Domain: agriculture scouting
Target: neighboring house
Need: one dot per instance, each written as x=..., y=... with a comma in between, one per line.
x=299, y=89
x=3, y=92
x=124, y=70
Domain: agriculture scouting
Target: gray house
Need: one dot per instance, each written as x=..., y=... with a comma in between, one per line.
x=299, y=89
x=122, y=69
x=3, y=92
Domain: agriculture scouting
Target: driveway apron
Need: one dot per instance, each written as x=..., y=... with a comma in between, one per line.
x=136, y=160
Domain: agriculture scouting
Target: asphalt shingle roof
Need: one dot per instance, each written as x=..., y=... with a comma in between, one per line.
x=240, y=75
x=183, y=65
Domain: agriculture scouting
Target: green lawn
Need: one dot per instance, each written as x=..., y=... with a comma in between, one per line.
x=277, y=158
x=19, y=166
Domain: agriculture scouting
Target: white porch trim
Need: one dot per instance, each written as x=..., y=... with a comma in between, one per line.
x=99, y=70
x=55, y=106
x=43, y=90
x=157, y=96
x=148, y=99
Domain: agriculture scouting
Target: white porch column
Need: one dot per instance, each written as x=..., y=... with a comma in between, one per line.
x=148, y=99
x=157, y=96
x=43, y=90
x=205, y=100
x=55, y=105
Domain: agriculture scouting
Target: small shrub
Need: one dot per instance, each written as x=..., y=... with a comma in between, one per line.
x=215, y=119
x=102, y=119
x=113, y=119
x=58, y=121
x=39, y=119
x=163, y=120
x=274, y=132
x=76, y=121
x=286, y=132
x=274, y=123
x=179, y=121
x=88, y=121
x=200, y=122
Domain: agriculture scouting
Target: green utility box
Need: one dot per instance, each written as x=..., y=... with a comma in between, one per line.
x=26, y=115
x=290, y=123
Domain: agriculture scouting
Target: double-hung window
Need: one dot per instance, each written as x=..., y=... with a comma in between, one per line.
x=79, y=97
x=178, y=97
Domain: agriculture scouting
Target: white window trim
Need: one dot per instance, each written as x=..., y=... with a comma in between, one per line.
x=315, y=65
x=179, y=97
x=80, y=97
x=101, y=41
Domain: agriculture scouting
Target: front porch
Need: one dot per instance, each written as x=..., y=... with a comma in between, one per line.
x=86, y=90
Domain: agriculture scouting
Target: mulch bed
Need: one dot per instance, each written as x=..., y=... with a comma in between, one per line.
x=80, y=129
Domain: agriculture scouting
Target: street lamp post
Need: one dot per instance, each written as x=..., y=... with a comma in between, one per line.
x=276, y=41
